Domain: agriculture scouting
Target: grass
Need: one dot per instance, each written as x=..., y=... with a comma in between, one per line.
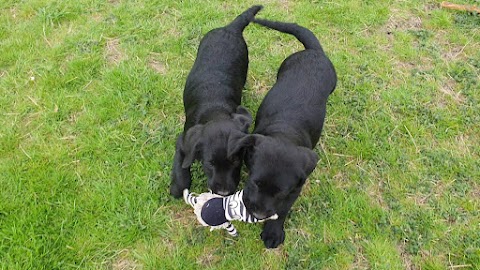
x=90, y=96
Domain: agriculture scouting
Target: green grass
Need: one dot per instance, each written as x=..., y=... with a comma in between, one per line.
x=90, y=98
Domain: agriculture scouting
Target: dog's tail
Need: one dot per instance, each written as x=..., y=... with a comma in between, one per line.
x=305, y=36
x=244, y=19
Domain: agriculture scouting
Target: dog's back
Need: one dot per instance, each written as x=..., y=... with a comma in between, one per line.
x=295, y=106
x=220, y=69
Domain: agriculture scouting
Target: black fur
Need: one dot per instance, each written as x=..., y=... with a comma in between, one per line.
x=287, y=127
x=214, y=117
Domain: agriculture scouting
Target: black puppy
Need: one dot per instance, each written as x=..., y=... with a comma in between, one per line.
x=214, y=117
x=288, y=125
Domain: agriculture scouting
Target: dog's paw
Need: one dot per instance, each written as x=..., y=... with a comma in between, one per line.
x=176, y=192
x=273, y=237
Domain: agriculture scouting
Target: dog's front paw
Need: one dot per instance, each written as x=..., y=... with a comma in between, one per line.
x=176, y=191
x=273, y=236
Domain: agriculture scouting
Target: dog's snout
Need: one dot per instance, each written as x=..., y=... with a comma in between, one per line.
x=253, y=209
x=259, y=215
x=221, y=189
x=257, y=209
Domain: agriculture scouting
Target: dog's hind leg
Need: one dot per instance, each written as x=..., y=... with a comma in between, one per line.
x=181, y=177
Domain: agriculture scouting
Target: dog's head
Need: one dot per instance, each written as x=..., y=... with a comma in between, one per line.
x=277, y=172
x=214, y=143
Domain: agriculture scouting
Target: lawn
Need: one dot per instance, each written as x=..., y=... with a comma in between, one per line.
x=91, y=104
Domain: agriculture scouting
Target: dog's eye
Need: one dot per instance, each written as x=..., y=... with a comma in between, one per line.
x=235, y=161
x=257, y=183
x=209, y=164
x=282, y=194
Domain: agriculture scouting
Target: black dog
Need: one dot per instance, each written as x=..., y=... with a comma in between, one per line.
x=288, y=125
x=214, y=117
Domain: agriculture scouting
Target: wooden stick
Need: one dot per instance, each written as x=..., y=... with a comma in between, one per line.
x=449, y=5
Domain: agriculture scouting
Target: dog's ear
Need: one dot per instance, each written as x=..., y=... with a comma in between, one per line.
x=309, y=162
x=191, y=145
x=238, y=141
x=242, y=118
